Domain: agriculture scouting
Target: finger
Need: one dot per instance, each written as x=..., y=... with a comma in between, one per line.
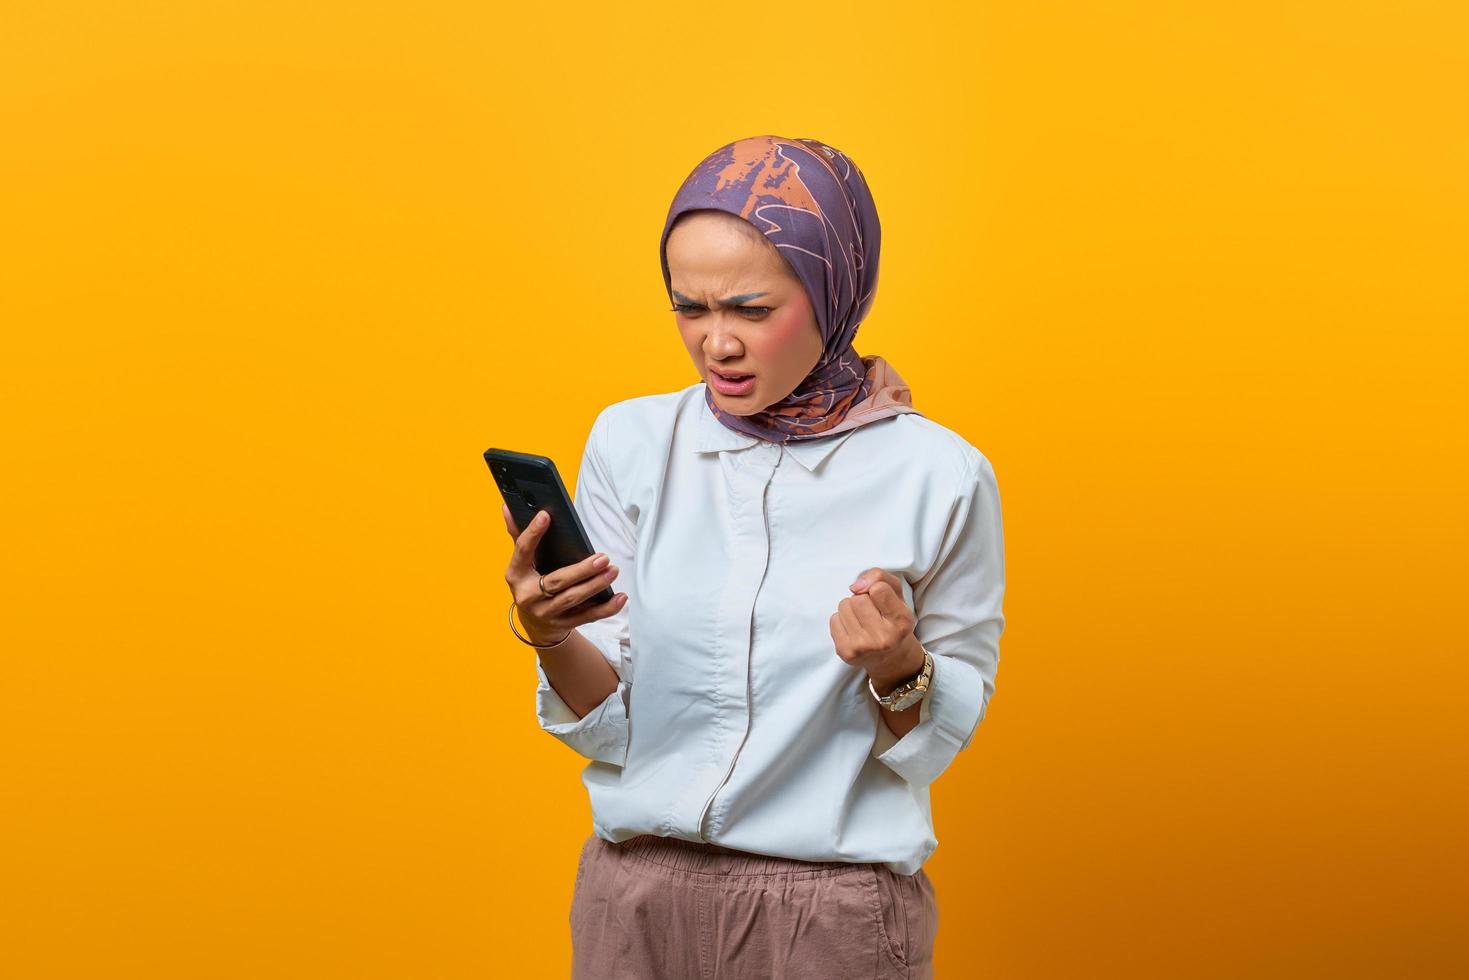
x=566, y=576
x=603, y=609
x=871, y=577
x=509, y=521
x=887, y=600
x=849, y=618
x=525, y=544
x=842, y=638
x=866, y=612
x=574, y=595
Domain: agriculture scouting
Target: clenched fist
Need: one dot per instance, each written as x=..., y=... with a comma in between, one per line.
x=873, y=630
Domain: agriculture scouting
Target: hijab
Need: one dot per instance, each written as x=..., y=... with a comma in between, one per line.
x=812, y=203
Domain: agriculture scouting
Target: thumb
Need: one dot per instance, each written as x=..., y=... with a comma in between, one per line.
x=863, y=581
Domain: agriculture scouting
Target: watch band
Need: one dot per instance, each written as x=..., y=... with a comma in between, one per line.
x=909, y=693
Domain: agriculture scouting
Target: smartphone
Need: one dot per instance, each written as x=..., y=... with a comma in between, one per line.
x=530, y=484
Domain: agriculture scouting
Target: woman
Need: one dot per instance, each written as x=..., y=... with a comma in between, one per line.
x=759, y=791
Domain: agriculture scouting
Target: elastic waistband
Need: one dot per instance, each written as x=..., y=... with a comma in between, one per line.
x=704, y=858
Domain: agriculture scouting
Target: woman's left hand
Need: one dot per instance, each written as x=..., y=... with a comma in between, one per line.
x=873, y=630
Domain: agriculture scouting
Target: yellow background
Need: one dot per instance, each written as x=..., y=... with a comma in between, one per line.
x=273, y=275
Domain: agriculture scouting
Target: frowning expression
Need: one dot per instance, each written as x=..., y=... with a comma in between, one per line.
x=741, y=309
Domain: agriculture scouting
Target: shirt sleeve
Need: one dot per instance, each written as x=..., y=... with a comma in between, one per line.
x=957, y=606
x=601, y=734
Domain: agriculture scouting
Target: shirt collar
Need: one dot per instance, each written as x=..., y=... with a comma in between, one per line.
x=715, y=436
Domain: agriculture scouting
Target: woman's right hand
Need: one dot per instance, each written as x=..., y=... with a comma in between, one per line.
x=548, y=618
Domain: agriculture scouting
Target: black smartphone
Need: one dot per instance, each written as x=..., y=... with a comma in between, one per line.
x=531, y=484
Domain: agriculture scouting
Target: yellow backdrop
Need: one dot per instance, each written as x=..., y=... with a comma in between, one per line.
x=273, y=275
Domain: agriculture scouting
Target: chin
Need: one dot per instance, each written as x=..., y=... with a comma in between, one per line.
x=736, y=406
x=746, y=406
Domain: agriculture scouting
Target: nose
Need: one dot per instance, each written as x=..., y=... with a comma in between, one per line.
x=722, y=343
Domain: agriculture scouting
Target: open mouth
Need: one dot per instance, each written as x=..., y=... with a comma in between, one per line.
x=733, y=385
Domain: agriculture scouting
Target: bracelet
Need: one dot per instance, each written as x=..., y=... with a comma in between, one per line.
x=538, y=646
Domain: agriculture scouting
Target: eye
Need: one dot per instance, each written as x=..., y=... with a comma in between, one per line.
x=748, y=312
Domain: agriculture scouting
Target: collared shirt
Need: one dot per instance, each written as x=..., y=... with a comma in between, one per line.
x=735, y=721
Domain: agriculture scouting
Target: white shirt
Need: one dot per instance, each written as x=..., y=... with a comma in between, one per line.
x=735, y=721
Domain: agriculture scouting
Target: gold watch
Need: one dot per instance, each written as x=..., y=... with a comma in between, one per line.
x=909, y=693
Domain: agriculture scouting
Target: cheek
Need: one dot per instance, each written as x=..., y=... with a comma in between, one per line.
x=690, y=338
x=785, y=330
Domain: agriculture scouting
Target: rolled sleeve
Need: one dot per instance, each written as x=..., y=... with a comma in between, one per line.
x=959, y=619
x=602, y=733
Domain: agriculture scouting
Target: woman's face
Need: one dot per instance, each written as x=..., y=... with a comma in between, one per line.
x=741, y=310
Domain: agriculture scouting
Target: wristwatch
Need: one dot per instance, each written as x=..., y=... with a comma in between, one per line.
x=909, y=693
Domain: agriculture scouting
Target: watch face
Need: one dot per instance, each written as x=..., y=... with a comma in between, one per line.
x=906, y=700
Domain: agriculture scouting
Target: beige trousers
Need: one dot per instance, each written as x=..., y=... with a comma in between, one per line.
x=660, y=908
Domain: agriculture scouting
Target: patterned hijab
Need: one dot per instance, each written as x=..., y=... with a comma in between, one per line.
x=812, y=203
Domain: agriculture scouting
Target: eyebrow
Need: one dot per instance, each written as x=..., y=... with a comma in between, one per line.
x=727, y=301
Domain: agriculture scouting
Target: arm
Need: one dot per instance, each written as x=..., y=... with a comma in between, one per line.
x=584, y=686
x=959, y=620
x=900, y=723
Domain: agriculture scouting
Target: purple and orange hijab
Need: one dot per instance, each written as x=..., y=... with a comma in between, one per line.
x=812, y=203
